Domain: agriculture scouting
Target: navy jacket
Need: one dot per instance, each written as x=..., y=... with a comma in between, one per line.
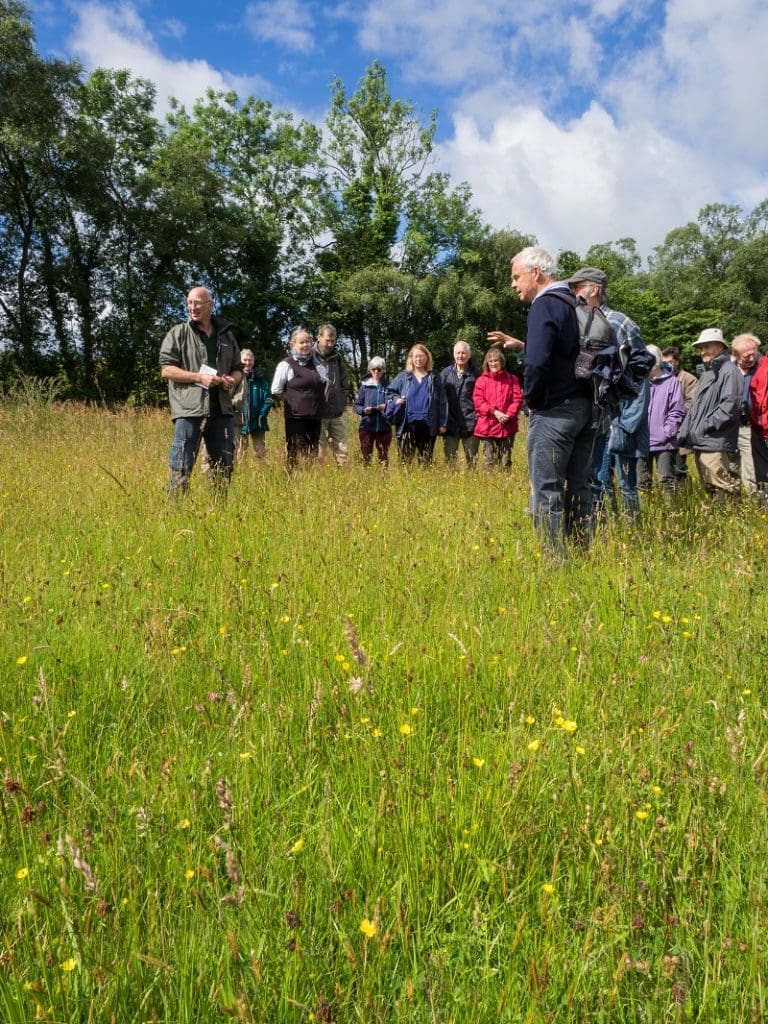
x=459, y=395
x=438, y=407
x=551, y=348
x=370, y=395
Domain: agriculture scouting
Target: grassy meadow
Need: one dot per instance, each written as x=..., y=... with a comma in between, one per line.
x=345, y=747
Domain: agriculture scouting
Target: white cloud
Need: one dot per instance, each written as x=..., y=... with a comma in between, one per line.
x=684, y=85
x=709, y=82
x=116, y=37
x=285, y=22
x=441, y=41
x=174, y=28
x=574, y=185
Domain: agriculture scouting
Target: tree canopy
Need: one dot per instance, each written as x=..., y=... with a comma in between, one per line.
x=108, y=216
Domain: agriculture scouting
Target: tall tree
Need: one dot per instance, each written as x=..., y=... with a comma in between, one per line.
x=258, y=241
x=396, y=229
x=35, y=104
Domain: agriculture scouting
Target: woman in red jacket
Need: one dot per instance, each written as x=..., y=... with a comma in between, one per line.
x=498, y=400
x=758, y=414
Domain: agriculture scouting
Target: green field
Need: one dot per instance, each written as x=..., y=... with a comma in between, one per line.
x=346, y=747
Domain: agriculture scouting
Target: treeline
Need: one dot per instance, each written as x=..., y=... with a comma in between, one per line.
x=108, y=215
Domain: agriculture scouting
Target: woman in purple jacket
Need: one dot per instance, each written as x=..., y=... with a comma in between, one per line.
x=666, y=411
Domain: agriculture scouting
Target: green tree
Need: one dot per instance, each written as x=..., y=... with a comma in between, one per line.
x=256, y=233
x=35, y=103
x=398, y=231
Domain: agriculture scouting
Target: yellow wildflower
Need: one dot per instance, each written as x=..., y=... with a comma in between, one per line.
x=184, y=823
x=189, y=873
x=534, y=745
x=368, y=928
x=548, y=888
x=405, y=729
x=641, y=815
x=478, y=762
x=22, y=873
x=298, y=846
x=566, y=724
x=69, y=965
x=22, y=660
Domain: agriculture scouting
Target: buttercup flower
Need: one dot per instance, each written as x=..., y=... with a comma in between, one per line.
x=405, y=729
x=368, y=928
x=298, y=846
x=478, y=762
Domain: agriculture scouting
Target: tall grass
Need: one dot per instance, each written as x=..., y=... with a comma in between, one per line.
x=346, y=746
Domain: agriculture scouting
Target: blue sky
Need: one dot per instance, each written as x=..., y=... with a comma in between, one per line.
x=577, y=122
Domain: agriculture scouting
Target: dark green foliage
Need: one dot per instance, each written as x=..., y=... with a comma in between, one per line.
x=108, y=216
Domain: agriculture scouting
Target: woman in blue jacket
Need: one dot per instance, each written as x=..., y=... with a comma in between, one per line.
x=420, y=392
x=370, y=404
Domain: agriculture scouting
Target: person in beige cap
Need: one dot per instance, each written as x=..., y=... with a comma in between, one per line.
x=711, y=425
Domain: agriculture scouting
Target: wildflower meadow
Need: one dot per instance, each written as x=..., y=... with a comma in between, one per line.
x=346, y=746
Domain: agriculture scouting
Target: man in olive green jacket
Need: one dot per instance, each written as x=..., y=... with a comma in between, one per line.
x=200, y=359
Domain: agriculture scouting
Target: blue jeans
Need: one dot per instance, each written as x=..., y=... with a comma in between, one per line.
x=599, y=449
x=218, y=432
x=626, y=468
x=560, y=442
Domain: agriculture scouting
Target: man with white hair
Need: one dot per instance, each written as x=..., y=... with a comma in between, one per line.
x=561, y=431
x=200, y=360
x=711, y=425
x=746, y=353
x=459, y=385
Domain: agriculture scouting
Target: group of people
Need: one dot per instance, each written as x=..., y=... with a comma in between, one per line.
x=592, y=417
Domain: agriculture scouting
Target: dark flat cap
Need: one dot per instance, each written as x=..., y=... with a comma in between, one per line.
x=592, y=275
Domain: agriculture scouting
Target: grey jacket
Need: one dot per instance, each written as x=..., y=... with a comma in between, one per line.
x=183, y=347
x=712, y=422
x=337, y=388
